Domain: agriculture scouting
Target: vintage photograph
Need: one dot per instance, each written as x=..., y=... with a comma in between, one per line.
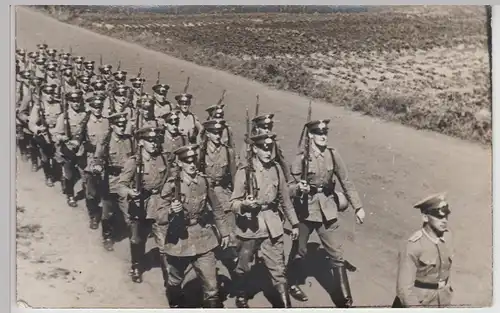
x=212, y=156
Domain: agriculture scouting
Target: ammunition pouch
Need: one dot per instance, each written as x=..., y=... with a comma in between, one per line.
x=114, y=170
x=326, y=189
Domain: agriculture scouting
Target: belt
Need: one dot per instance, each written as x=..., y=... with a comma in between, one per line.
x=439, y=285
x=114, y=170
x=324, y=188
x=269, y=207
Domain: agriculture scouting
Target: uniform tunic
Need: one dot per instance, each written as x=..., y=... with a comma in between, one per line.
x=190, y=126
x=426, y=259
x=75, y=125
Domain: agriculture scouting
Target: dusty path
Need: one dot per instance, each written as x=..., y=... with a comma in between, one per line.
x=393, y=166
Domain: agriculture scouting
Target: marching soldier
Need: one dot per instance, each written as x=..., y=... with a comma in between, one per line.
x=78, y=65
x=259, y=189
x=42, y=49
x=216, y=112
x=69, y=82
x=70, y=133
x=118, y=103
x=136, y=95
x=120, y=78
x=32, y=56
x=65, y=58
x=163, y=106
x=22, y=116
x=51, y=54
x=97, y=128
x=40, y=67
x=264, y=124
x=319, y=212
x=84, y=85
x=89, y=68
x=21, y=57
x=191, y=238
x=173, y=139
x=23, y=97
x=110, y=157
x=99, y=88
x=217, y=161
x=42, y=122
x=189, y=124
x=52, y=74
x=425, y=259
x=146, y=210
x=106, y=74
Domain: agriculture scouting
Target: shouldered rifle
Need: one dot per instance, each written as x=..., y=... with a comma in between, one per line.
x=41, y=113
x=119, y=65
x=202, y=165
x=305, y=160
x=138, y=115
x=187, y=85
x=222, y=97
x=158, y=78
x=138, y=186
x=140, y=72
x=249, y=160
x=257, y=105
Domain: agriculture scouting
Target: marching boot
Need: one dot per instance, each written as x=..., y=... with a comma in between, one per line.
x=69, y=192
x=175, y=296
x=282, y=299
x=164, y=269
x=239, y=285
x=93, y=210
x=33, y=153
x=342, y=290
x=106, y=234
x=47, y=170
x=212, y=302
x=294, y=270
x=136, y=252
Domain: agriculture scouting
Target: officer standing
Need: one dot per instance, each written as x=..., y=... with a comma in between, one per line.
x=190, y=239
x=424, y=260
x=260, y=193
x=110, y=156
x=189, y=124
x=319, y=212
x=153, y=168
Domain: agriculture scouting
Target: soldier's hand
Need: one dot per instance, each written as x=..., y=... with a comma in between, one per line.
x=176, y=206
x=133, y=193
x=224, y=243
x=360, y=216
x=64, y=138
x=97, y=169
x=250, y=204
x=304, y=186
x=74, y=142
x=295, y=233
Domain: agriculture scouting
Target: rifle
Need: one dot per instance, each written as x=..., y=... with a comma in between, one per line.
x=257, y=105
x=203, y=152
x=187, y=85
x=140, y=72
x=222, y=97
x=41, y=113
x=158, y=78
x=138, y=187
x=249, y=156
x=305, y=160
x=119, y=65
x=138, y=115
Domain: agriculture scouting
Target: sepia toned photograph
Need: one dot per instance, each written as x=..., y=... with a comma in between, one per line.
x=253, y=156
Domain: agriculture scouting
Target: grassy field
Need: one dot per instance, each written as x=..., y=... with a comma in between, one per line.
x=423, y=66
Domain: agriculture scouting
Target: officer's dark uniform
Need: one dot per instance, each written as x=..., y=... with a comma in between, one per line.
x=110, y=156
x=320, y=213
x=190, y=237
x=424, y=261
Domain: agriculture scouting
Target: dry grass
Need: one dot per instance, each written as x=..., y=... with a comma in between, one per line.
x=424, y=66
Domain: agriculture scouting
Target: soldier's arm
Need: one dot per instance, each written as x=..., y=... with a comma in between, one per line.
x=24, y=112
x=347, y=185
x=284, y=195
x=59, y=132
x=238, y=194
x=126, y=177
x=284, y=164
x=100, y=147
x=218, y=211
x=33, y=119
x=295, y=173
x=406, y=275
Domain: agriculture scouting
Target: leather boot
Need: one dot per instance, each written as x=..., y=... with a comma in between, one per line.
x=175, y=296
x=33, y=152
x=164, y=270
x=342, y=290
x=47, y=170
x=106, y=234
x=239, y=285
x=295, y=274
x=93, y=211
x=136, y=252
x=69, y=192
x=212, y=302
x=282, y=297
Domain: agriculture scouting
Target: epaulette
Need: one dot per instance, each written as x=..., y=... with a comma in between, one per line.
x=416, y=236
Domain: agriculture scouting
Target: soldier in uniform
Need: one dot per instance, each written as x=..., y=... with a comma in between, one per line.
x=163, y=106
x=69, y=82
x=42, y=49
x=189, y=124
x=99, y=88
x=23, y=113
x=23, y=96
x=32, y=56
x=259, y=218
x=263, y=124
x=173, y=139
x=84, y=85
x=146, y=106
x=191, y=238
x=136, y=95
x=21, y=57
x=53, y=74
x=118, y=103
x=42, y=122
x=110, y=157
x=120, y=78
x=78, y=65
x=51, y=54
x=88, y=69
x=70, y=133
x=321, y=210
x=65, y=58
x=217, y=161
x=216, y=112
x=97, y=128
x=424, y=261
x=150, y=218
x=105, y=72
x=40, y=65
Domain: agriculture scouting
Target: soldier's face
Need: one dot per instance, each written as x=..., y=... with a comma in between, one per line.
x=189, y=166
x=263, y=153
x=265, y=129
x=320, y=138
x=151, y=146
x=184, y=107
x=76, y=105
x=438, y=224
x=159, y=98
x=214, y=136
x=173, y=126
x=119, y=129
x=48, y=97
x=121, y=99
x=97, y=111
x=51, y=73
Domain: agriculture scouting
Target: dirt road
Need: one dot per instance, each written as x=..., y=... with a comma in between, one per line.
x=62, y=265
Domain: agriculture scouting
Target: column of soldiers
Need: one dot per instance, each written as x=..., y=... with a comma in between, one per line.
x=180, y=181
